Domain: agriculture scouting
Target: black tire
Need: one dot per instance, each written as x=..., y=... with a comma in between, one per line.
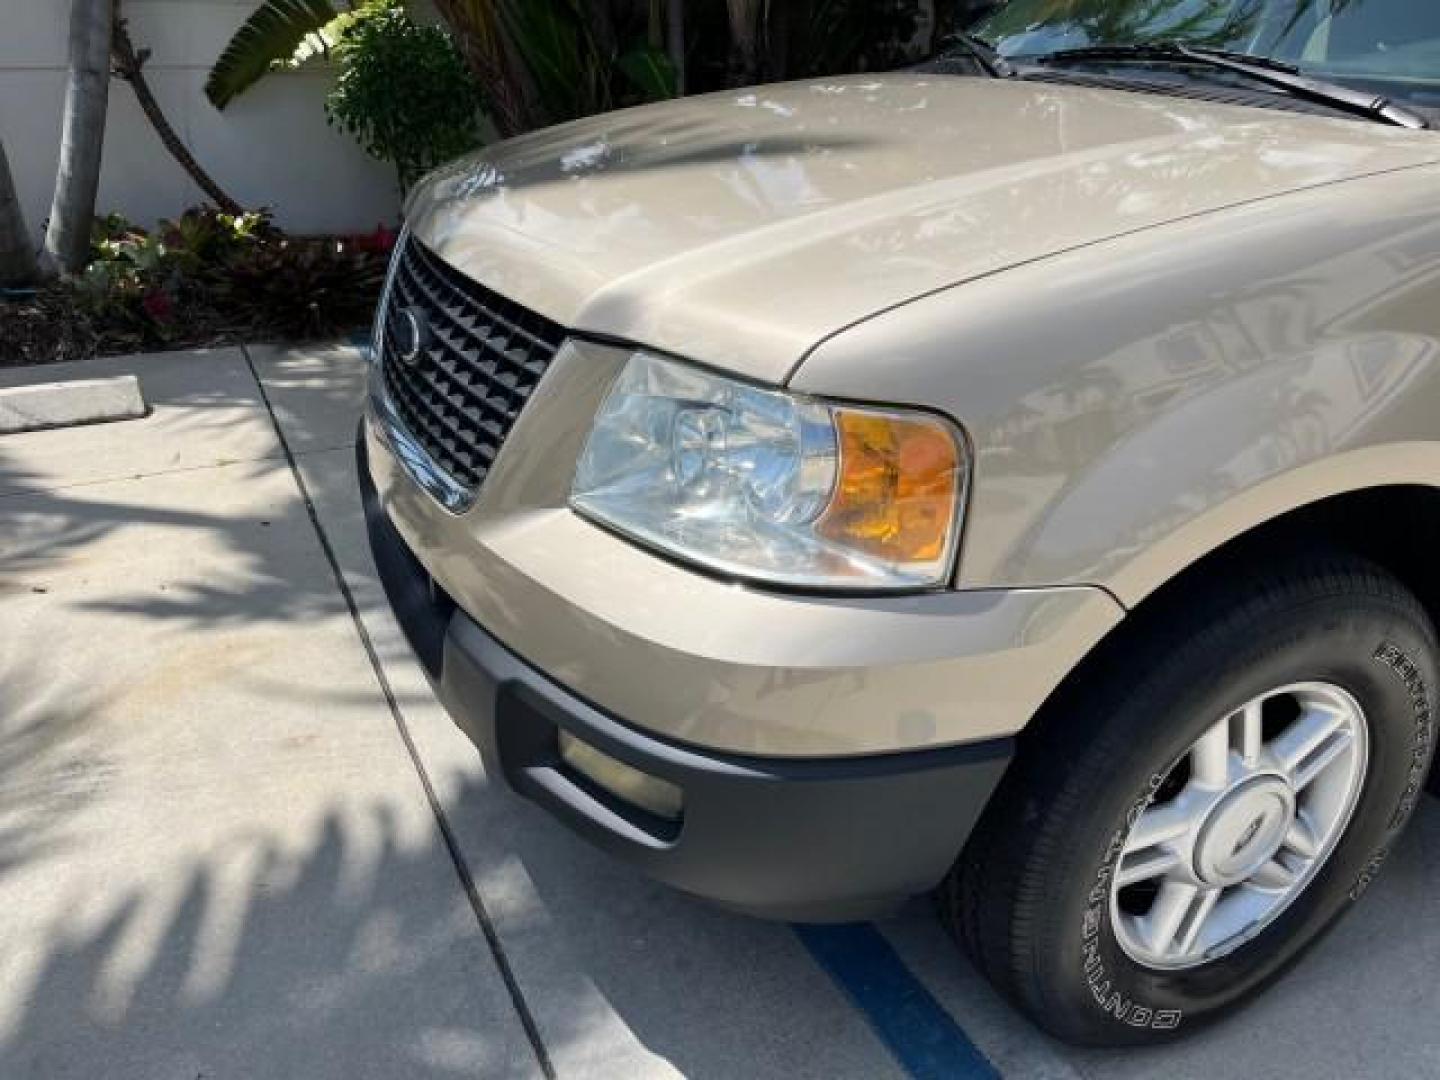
x=1023, y=895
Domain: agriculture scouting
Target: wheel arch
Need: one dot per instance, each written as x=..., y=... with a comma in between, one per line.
x=1318, y=495
x=1396, y=526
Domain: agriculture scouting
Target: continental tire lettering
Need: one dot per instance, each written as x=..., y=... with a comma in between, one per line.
x=1421, y=747
x=1423, y=738
x=1102, y=988
x=1367, y=875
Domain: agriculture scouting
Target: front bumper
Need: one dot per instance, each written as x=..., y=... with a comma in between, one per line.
x=793, y=838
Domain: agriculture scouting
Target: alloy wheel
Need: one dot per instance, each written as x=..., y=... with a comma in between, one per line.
x=1239, y=825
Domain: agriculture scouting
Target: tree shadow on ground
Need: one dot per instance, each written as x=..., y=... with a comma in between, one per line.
x=341, y=944
x=150, y=927
x=353, y=955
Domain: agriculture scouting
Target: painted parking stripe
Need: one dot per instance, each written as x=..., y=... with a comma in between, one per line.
x=925, y=1039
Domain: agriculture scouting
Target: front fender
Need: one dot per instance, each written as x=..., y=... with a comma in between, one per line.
x=1224, y=461
x=1136, y=404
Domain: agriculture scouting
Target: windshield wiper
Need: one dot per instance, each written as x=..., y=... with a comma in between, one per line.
x=1260, y=68
x=982, y=52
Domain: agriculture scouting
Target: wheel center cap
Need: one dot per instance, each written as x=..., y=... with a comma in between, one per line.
x=1244, y=830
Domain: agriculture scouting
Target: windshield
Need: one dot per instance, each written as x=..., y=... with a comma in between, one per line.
x=1391, y=47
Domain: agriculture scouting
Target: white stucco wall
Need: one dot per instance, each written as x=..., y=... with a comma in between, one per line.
x=270, y=147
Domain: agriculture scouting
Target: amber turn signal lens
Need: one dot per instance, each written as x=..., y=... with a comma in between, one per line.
x=899, y=483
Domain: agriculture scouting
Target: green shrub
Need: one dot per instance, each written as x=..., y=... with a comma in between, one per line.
x=403, y=91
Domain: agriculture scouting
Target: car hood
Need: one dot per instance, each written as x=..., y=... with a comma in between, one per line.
x=741, y=229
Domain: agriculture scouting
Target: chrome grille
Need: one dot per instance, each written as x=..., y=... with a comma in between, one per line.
x=481, y=358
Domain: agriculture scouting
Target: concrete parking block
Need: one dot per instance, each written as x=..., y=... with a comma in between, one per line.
x=67, y=404
x=205, y=410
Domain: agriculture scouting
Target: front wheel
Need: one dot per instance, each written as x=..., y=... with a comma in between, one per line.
x=1210, y=797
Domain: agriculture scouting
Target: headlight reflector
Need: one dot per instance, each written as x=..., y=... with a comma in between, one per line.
x=773, y=486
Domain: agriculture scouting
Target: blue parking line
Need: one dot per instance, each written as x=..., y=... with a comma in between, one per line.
x=925, y=1039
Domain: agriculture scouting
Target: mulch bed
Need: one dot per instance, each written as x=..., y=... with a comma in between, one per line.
x=47, y=326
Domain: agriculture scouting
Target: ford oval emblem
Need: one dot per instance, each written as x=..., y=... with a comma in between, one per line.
x=412, y=334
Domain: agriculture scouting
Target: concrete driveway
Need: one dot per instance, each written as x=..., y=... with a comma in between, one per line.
x=239, y=839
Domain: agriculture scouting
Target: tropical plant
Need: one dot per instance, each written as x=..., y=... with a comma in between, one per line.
x=541, y=61
x=17, y=253
x=769, y=40
x=277, y=33
x=490, y=55
x=204, y=278
x=534, y=62
x=586, y=58
x=827, y=37
x=537, y=62
x=144, y=278
x=403, y=91
x=302, y=289
x=82, y=138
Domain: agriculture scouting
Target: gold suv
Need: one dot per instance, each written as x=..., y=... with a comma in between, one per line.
x=1013, y=478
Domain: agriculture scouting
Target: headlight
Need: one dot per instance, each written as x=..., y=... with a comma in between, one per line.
x=773, y=486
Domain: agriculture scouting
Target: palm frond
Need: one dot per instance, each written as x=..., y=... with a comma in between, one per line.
x=490, y=54
x=273, y=34
x=557, y=48
x=650, y=70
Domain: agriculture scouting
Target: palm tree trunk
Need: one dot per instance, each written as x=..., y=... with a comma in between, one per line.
x=82, y=136
x=745, y=30
x=675, y=43
x=129, y=66
x=17, y=253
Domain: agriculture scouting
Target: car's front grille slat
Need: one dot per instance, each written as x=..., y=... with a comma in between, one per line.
x=511, y=317
x=482, y=358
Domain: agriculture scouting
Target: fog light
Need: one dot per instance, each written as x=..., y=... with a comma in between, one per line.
x=649, y=793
